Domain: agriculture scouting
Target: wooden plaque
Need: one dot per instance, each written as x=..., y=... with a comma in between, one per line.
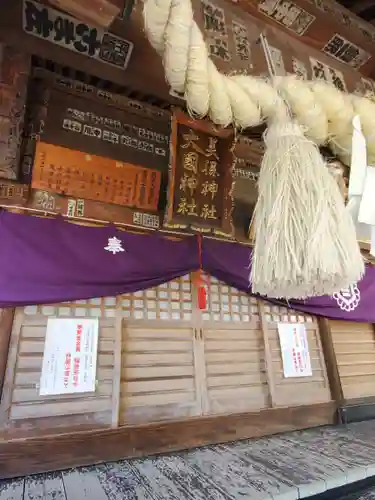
x=201, y=178
x=232, y=36
x=101, y=129
x=323, y=25
x=82, y=175
x=13, y=193
x=289, y=56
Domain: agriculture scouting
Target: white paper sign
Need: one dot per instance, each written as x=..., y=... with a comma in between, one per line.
x=70, y=355
x=294, y=350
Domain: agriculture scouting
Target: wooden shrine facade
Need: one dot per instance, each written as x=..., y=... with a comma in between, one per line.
x=169, y=377
x=90, y=132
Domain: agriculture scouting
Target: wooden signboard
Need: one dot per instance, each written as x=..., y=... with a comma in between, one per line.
x=288, y=56
x=200, y=182
x=82, y=175
x=232, y=37
x=14, y=74
x=323, y=25
x=70, y=33
x=99, y=129
x=13, y=193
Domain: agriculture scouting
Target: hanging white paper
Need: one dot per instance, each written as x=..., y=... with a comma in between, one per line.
x=70, y=356
x=294, y=350
x=366, y=213
x=358, y=160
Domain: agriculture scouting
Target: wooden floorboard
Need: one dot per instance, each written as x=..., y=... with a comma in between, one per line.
x=283, y=467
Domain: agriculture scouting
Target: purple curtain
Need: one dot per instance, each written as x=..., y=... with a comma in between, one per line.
x=229, y=262
x=50, y=260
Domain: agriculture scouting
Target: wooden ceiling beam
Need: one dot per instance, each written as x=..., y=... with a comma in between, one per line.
x=362, y=5
x=98, y=12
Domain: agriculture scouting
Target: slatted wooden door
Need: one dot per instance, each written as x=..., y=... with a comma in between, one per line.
x=234, y=373
x=22, y=407
x=159, y=372
x=301, y=390
x=354, y=346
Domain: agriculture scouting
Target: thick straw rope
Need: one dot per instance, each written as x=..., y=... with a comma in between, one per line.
x=305, y=241
x=324, y=112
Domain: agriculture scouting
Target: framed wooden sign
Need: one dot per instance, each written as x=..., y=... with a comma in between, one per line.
x=201, y=178
x=231, y=35
x=70, y=33
x=289, y=56
x=82, y=175
x=14, y=193
x=83, y=124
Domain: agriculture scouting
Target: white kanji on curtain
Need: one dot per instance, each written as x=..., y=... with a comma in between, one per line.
x=114, y=246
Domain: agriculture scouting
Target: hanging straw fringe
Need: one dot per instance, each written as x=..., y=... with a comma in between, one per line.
x=305, y=240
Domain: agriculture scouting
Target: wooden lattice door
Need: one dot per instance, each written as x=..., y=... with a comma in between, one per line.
x=233, y=364
x=159, y=372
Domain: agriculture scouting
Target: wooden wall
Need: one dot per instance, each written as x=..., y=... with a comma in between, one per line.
x=185, y=377
x=354, y=356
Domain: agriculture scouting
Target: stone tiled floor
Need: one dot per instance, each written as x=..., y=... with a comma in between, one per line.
x=283, y=467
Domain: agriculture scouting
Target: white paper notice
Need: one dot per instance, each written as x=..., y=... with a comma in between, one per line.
x=294, y=350
x=70, y=355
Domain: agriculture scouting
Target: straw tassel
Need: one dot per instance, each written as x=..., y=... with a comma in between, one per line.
x=305, y=242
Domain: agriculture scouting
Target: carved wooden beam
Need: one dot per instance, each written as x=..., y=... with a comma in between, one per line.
x=99, y=12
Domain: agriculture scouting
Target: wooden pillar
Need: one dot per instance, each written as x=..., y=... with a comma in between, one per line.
x=331, y=361
x=6, y=323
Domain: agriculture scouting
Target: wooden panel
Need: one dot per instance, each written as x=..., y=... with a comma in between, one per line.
x=6, y=322
x=288, y=56
x=324, y=26
x=103, y=128
x=82, y=175
x=235, y=371
x=71, y=449
x=26, y=407
x=14, y=73
x=99, y=12
x=296, y=390
x=144, y=72
x=49, y=24
x=232, y=37
x=200, y=181
x=354, y=346
x=158, y=375
x=12, y=192
x=233, y=352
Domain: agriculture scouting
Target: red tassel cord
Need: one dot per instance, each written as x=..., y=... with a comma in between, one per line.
x=200, y=281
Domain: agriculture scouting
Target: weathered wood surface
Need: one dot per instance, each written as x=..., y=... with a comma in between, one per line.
x=323, y=25
x=287, y=467
x=14, y=74
x=69, y=449
x=99, y=12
